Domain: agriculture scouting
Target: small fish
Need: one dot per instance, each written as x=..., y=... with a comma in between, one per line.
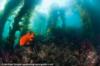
x=26, y=39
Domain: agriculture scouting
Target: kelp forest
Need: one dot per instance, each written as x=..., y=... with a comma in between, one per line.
x=58, y=32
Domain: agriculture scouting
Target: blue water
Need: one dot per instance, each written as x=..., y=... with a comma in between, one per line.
x=73, y=19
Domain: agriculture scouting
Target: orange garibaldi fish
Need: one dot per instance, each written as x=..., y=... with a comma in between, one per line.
x=25, y=39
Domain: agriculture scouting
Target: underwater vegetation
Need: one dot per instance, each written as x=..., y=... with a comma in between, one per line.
x=25, y=23
x=41, y=18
